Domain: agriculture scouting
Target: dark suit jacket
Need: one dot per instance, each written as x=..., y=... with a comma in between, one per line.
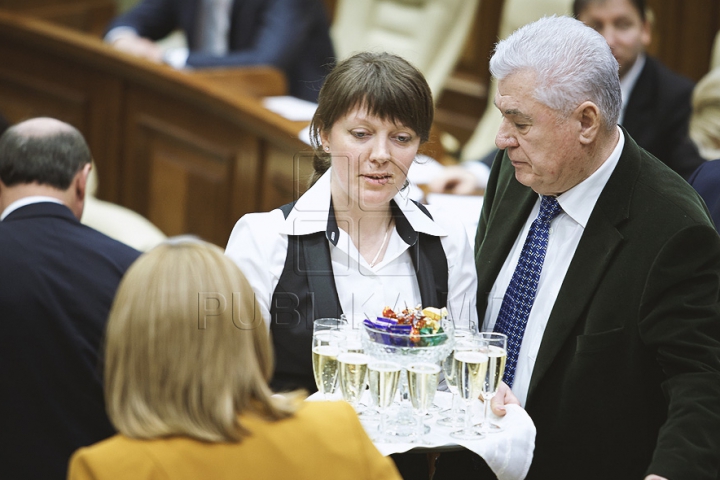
x=292, y=35
x=627, y=378
x=657, y=116
x=57, y=281
x=706, y=180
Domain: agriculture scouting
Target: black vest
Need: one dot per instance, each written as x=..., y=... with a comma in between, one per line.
x=306, y=291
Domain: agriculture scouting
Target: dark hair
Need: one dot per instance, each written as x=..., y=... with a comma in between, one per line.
x=386, y=85
x=52, y=157
x=580, y=5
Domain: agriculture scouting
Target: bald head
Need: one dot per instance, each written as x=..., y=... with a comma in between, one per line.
x=44, y=126
x=44, y=156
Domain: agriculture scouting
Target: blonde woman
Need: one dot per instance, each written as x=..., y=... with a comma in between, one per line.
x=187, y=365
x=705, y=119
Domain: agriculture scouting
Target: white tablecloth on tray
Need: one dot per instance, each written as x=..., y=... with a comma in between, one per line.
x=508, y=453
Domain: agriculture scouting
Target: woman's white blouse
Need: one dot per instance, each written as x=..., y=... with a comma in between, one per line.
x=258, y=245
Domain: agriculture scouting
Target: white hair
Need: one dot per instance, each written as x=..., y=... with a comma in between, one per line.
x=571, y=61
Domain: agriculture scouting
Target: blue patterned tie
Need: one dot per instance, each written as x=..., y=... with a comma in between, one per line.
x=520, y=294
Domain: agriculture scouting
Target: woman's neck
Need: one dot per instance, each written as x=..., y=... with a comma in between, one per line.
x=369, y=230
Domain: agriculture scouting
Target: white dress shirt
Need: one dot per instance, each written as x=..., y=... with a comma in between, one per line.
x=27, y=201
x=258, y=245
x=565, y=233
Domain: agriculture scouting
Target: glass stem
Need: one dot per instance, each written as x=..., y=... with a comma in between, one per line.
x=382, y=424
x=486, y=419
x=468, y=417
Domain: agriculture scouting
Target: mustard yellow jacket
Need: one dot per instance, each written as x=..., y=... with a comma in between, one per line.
x=323, y=440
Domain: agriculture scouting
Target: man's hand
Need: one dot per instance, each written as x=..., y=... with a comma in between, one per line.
x=454, y=179
x=503, y=396
x=140, y=47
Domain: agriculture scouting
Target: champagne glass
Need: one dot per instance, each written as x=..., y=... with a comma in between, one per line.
x=325, y=349
x=497, y=354
x=352, y=363
x=422, y=384
x=471, y=363
x=455, y=416
x=383, y=377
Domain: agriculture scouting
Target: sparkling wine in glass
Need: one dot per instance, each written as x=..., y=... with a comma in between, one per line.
x=325, y=363
x=471, y=363
x=383, y=377
x=497, y=355
x=455, y=416
x=353, y=370
x=422, y=384
x=327, y=335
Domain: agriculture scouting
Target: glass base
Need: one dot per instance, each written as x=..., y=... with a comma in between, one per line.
x=490, y=427
x=471, y=434
x=453, y=422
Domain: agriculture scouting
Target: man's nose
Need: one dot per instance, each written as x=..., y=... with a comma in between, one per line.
x=505, y=138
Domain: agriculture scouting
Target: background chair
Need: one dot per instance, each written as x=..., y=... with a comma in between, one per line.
x=118, y=222
x=429, y=33
x=515, y=14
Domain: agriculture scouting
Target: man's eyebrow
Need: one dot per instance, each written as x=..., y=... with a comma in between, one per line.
x=517, y=113
x=514, y=112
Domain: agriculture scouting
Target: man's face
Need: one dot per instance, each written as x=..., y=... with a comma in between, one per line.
x=623, y=28
x=543, y=145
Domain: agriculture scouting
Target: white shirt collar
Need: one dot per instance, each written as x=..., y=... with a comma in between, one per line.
x=627, y=83
x=27, y=201
x=310, y=213
x=579, y=201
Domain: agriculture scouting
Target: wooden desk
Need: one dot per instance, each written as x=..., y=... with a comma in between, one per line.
x=89, y=16
x=181, y=149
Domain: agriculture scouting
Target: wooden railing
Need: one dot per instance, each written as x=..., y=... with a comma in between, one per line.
x=191, y=152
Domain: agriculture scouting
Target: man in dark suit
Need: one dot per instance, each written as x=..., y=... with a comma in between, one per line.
x=292, y=35
x=657, y=101
x=610, y=302
x=57, y=282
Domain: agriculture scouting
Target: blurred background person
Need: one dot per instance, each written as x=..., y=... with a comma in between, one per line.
x=705, y=132
x=705, y=119
x=292, y=35
x=57, y=282
x=656, y=102
x=187, y=365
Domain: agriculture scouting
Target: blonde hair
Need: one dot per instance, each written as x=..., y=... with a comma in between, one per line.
x=187, y=349
x=705, y=119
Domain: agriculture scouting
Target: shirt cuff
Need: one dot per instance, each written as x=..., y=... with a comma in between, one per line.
x=119, y=32
x=176, y=57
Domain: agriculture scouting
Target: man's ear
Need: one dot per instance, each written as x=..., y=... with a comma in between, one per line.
x=81, y=181
x=588, y=115
x=78, y=189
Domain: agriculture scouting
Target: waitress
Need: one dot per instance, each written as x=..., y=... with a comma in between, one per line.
x=354, y=242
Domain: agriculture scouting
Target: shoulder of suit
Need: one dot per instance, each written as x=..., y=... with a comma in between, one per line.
x=669, y=78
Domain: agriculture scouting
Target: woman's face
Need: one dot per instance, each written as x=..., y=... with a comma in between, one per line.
x=370, y=159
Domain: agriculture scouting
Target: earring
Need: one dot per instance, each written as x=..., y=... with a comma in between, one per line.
x=327, y=148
